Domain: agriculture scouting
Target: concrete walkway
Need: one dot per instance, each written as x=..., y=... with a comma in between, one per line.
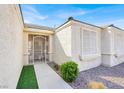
x=47, y=78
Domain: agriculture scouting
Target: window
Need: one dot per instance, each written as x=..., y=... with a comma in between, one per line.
x=118, y=43
x=89, y=42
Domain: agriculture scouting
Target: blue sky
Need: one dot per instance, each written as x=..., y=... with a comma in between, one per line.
x=55, y=14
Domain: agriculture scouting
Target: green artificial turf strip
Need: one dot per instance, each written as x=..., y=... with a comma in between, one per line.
x=27, y=79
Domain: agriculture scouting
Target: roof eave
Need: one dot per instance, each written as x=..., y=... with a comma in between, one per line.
x=33, y=26
x=79, y=22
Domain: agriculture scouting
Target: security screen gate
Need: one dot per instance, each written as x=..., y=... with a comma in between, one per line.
x=38, y=48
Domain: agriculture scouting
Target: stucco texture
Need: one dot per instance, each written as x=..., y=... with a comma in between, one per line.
x=10, y=45
x=62, y=46
x=68, y=45
x=112, y=46
x=90, y=60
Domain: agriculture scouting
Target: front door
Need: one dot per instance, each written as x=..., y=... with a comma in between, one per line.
x=39, y=49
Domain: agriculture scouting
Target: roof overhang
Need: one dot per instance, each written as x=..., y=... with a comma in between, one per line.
x=113, y=26
x=73, y=22
x=38, y=31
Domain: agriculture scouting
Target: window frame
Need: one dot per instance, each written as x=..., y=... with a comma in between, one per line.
x=89, y=56
x=116, y=43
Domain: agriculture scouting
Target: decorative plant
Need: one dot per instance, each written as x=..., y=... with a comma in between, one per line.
x=96, y=85
x=69, y=71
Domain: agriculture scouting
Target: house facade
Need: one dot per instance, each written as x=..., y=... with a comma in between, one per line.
x=80, y=42
x=112, y=46
x=24, y=44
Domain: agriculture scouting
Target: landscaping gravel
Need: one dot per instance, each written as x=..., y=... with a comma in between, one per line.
x=111, y=77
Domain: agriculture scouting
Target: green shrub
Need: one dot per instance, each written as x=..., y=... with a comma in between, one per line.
x=69, y=71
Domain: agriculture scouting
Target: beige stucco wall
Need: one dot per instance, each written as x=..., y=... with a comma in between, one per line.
x=51, y=48
x=106, y=46
x=110, y=54
x=11, y=26
x=117, y=49
x=67, y=45
x=25, y=48
x=85, y=62
x=62, y=45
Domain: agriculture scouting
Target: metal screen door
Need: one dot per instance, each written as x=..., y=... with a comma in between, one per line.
x=39, y=49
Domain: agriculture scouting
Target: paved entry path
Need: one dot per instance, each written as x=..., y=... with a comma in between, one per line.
x=47, y=78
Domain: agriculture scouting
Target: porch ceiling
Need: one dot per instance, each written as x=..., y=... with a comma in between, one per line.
x=36, y=29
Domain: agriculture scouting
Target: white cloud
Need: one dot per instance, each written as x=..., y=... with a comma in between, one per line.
x=66, y=14
x=27, y=21
x=34, y=15
x=117, y=22
x=77, y=12
x=31, y=15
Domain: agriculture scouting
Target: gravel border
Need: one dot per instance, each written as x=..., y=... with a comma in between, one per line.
x=111, y=77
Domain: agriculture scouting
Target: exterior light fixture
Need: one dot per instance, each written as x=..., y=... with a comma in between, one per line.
x=109, y=29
